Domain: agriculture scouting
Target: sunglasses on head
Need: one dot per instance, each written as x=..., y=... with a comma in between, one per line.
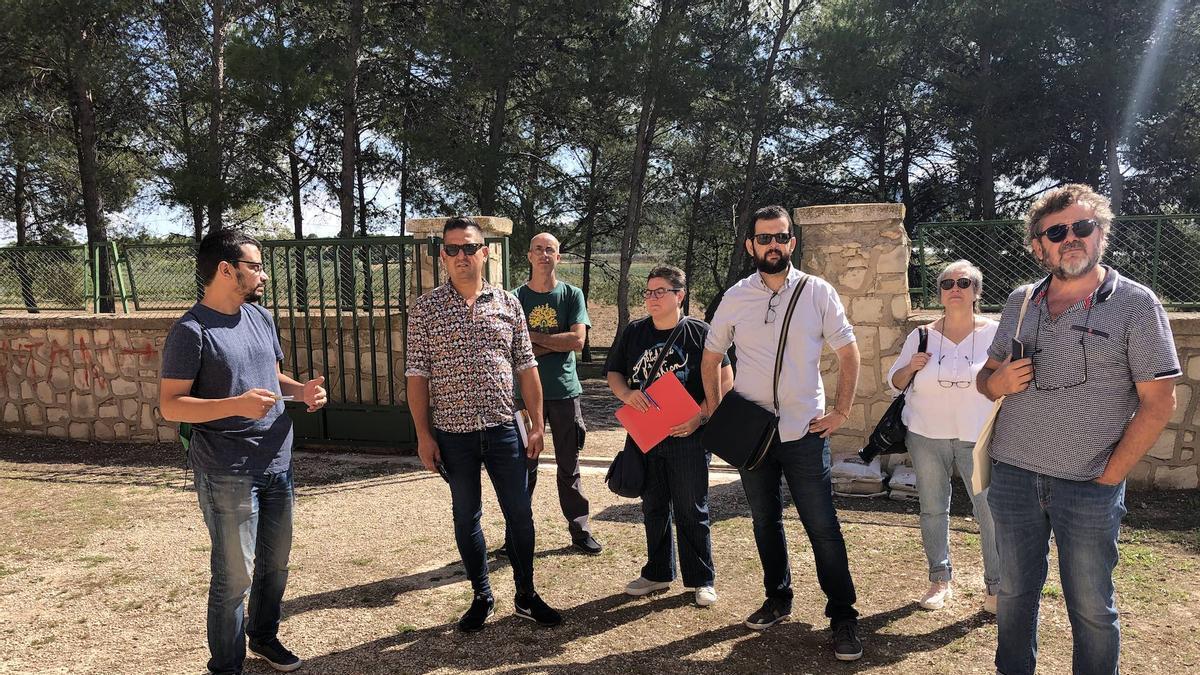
x=779, y=237
x=947, y=284
x=453, y=249
x=1056, y=233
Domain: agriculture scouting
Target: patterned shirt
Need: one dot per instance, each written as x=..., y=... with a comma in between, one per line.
x=469, y=354
x=1086, y=365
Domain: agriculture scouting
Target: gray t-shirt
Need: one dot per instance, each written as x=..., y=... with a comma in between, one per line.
x=226, y=355
x=1086, y=366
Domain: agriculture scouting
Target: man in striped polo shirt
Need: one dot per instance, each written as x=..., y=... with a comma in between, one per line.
x=1090, y=385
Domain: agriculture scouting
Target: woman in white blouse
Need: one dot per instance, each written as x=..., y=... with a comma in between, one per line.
x=944, y=413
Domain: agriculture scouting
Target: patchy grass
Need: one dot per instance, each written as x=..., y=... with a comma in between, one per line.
x=107, y=564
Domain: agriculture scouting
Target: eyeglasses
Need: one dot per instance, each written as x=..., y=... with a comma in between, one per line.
x=1081, y=228
x=947, y=284
x=254, y=265
x=960, y=384
x=658, y=293
x=771, y=305
x=1082, y=348
x=778, y=237
x=453, y=249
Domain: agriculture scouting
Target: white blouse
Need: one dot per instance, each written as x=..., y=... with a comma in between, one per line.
x=935, y=410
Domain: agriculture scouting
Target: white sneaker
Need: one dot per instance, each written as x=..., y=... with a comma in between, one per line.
x=642, y=586
x=989, y=603
x=706, y=596
x=937, y=595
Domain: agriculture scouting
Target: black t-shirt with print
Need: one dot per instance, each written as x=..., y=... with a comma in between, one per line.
x=636, y=351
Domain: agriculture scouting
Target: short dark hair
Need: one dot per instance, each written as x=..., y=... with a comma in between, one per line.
x=461, y=223
x=670, y=274
x=220, y=246
x=768, y=213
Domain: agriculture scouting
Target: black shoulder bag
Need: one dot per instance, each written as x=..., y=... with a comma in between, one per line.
x=888, y=437
x=627, y=474
x=741, y=431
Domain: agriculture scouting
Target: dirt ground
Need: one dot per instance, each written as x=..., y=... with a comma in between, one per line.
x=104, y=568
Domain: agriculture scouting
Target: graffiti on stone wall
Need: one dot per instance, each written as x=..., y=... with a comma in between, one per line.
x=21, y=357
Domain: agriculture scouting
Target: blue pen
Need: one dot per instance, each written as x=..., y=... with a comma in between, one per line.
x=647, y=395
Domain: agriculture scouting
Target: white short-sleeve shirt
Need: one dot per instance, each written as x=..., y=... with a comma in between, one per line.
x=947, y=412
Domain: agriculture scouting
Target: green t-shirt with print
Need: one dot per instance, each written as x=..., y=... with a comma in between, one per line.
x=555, y=312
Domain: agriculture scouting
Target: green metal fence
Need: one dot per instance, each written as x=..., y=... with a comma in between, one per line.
x=1160, y=251
x=38, y=278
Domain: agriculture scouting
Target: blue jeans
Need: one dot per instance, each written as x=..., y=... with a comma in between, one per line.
x=497, y=449
x=804, y=463
x=933, y=460
x=1083, y=517
x=677, y=488
x=249, y=521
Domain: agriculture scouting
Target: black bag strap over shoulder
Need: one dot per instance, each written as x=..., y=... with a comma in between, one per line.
x=783, y=333
x=922, y=343
x=662, y=356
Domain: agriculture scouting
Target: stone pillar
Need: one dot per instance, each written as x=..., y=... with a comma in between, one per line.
x=863, y=250
x=426, y=229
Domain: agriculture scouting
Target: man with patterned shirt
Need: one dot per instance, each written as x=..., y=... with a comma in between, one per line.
x=558, y=323
x=467, y=342
x=1090, y=391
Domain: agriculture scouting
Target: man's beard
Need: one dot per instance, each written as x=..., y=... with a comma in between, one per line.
x=1075, y=267
x=252, y=294
x=771, y=267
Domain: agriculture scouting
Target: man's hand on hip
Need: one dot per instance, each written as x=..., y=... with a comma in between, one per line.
x=827, y=423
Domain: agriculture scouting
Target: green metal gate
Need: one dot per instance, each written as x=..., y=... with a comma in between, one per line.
x=341, y=309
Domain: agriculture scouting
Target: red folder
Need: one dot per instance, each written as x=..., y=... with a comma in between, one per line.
x=675, y=406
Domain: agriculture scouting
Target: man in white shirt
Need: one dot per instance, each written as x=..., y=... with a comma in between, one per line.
x=751, y=316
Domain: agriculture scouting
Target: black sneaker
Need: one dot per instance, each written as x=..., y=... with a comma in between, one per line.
x=846, y=645
x=501, y=552
x=532, y=607
x=277, y=655
x=588, y=545
x=772, y=612
x=482, y=607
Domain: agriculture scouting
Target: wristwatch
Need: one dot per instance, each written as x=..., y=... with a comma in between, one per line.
x=703, y=419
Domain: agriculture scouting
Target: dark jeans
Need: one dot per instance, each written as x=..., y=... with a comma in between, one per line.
x=567, y=428
x=498, y=450
x=249, y=521
x=804, y=463
x=677, y=484
x=1084, y=518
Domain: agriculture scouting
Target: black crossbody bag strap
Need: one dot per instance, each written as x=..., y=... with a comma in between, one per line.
x=662, y=356
x=787, y=321
x=922, y=343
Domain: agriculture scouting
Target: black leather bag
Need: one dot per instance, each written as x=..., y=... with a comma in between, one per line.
x=626, y=475
x=888, y=437
x=741, y=431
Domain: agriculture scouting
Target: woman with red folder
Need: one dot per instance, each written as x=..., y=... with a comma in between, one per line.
x=668, y=344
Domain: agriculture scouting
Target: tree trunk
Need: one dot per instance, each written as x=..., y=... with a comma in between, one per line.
x=984, y=133
x=297, y=224
x=83, y=117
x=22, y=268
x=904, y=173
x=216, y=203
x=664, y=33
x=589, y=226
x=349, y=156
x=738, y=259
x=489, y=177
x=689, y=254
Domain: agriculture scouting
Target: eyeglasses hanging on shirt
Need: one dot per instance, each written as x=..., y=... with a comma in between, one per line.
x=960, y=384
x=1084, y=330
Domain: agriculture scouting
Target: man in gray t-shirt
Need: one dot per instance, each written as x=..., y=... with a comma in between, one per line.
x=220, y=374
x=1089, y=384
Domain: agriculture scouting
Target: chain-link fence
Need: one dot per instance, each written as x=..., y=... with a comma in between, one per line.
x=1162, y=252
x=36, y=278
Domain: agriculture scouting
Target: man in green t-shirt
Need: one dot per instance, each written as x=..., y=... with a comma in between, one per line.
x=558, y=321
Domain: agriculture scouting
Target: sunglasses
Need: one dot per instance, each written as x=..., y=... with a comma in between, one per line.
x=1081, y=228
x=453, y=249
x=658, y=293
x=947, y=284
x=778, y=237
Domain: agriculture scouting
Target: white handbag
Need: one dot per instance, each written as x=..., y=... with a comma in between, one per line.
x=981, y=470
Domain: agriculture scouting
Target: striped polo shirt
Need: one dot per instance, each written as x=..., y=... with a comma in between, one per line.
x=1086, y=364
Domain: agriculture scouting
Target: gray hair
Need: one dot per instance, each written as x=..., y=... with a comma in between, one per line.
x=969, y=269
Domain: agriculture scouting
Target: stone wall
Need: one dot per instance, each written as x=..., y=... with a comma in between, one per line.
x=83, y=377
x=862, y=249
